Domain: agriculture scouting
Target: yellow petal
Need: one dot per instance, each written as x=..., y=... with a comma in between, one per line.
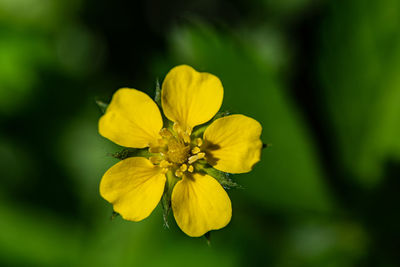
x=134, y=186
x=233, y=144
x=132, y=119
x=200, y=204
x=190, y=98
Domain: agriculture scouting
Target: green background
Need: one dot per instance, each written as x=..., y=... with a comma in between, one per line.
x=322, y=77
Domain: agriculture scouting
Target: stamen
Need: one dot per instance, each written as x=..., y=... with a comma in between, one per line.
x=183, y=167
x=181, y=133
x=190, y=168
x=195, y=150
x=178, y=173
x=186, y=137
x=199, y=141
x=193, y=159
x=201, y=155
x=165, y=164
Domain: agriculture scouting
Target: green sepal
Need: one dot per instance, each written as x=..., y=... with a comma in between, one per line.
x=114, y=215
x=221, y=114
x=208, y=238
x=132, y=152
x=199, y=130
x=157, y=98
x=222, y=177
x=102, y=105
x=157, y=94
x=166, y=198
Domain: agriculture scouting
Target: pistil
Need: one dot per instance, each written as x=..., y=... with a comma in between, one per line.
x=176, y=152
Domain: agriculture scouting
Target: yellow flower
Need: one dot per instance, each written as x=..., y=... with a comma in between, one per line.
x=230, y=144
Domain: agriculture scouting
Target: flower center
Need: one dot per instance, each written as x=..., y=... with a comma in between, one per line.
x=175, y=151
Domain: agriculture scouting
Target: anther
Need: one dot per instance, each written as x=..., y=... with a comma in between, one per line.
x=190, y=168
x=178, y=173
x=183, y=167
x=193, y=159
x=186, y=137
x=195, y=150
x=201, y=155
x=199, y=141
x=165, y=164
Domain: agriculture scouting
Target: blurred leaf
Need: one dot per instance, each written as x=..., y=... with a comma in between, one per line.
x=79, y=51
x=20, y=57
x=39, y=14
x=289, y=175
x=359, y=64
x=35, y=238
x=324, y=243
x=85, y=157
x=147, y=243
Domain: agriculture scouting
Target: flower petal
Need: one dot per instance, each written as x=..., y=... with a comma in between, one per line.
x=134, y=186
x=232, y=143
x=200, y=204
x=132, y=119
x=190, y=98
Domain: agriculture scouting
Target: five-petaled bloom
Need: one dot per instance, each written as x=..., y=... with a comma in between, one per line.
x=176, y=152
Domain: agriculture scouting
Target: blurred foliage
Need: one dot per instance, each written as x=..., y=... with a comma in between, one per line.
x=320, y=76
x=359, y=69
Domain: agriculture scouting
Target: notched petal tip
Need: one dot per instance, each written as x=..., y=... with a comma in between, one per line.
x=189, y=97
x=200, y=205
x=132, y=119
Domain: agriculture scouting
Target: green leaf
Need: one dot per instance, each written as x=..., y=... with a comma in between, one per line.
x=361, y=85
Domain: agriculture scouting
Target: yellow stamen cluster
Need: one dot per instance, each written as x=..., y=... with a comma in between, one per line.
x=175, y=151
